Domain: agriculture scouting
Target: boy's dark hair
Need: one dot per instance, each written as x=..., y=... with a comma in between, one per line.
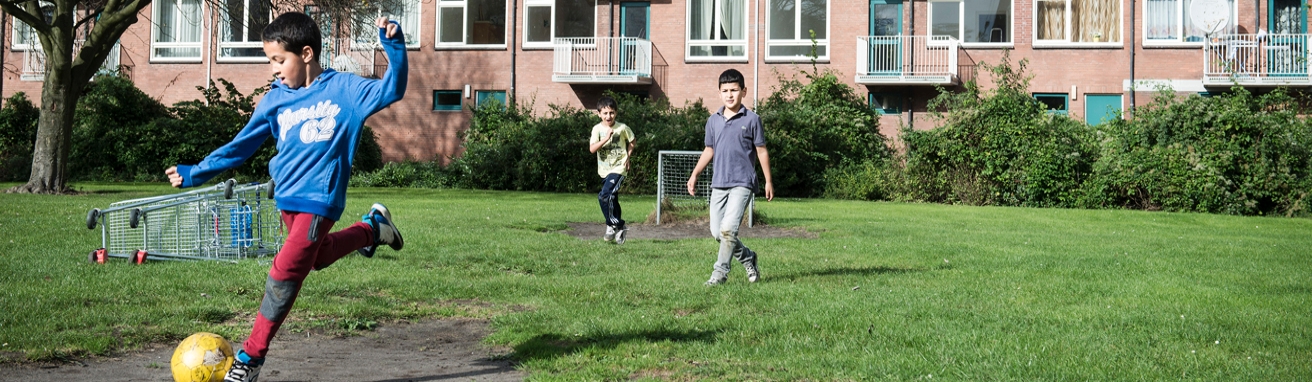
x=294, y=31
x=733, y=76
x=607, y=102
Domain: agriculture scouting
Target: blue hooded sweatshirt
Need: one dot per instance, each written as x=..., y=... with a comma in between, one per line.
x=316, y=128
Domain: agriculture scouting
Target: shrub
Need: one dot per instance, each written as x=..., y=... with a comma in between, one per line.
x=816, y=126
x=1236, y=153
x=108, y=132
x=18, y=123
x=999, y=147
x=428, y=174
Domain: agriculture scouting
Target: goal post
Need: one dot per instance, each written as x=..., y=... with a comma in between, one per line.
x=672, y=171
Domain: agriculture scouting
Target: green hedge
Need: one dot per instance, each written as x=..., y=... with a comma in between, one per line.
x=18, y=121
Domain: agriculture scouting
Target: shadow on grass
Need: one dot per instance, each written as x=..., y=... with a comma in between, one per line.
x=845, y=271
x=551, y=345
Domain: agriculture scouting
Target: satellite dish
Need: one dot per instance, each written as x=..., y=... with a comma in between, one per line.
x=1209, y=15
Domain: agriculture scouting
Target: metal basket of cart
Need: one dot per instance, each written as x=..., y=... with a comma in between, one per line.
x=225, y=222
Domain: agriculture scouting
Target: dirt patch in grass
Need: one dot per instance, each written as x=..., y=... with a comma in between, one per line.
x=430, y=350
x=595, y=231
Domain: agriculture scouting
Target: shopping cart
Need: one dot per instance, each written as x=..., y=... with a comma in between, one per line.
x=223, y=222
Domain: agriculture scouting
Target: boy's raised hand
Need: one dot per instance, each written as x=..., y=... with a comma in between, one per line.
x=174, y=178
x=391, y=28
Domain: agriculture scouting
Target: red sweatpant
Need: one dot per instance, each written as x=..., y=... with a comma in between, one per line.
x=298, y=257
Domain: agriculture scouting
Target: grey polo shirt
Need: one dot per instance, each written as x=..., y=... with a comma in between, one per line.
x=735, y=141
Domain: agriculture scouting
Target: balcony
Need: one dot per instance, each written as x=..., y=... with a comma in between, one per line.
x=907, y=60
x=602, y=60
x=1257, y=60
x=34, y=61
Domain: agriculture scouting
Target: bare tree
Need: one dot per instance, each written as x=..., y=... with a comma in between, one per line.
x=67, y=72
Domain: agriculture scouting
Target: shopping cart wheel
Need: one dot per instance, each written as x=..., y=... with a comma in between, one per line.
x=268, y=189
x=134, y=217
x=227, y=188
x=139, y=257
x=91, y=218
x=97, y=256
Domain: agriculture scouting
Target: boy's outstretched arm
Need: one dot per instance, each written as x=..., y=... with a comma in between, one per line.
x=764, y=157
x=376, y=95
x=705, y=159
x=231, y=155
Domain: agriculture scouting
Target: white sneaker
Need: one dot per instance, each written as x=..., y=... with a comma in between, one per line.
x=619, y=235
x=716, y=279
x=610, y=234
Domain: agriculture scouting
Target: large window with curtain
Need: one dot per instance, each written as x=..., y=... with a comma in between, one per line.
x=977, y=22
x=717, y=30
x=405, y=12
x=1167, y=22
x=176, y=31
x=1090, y=22
x=792, y=24
x=240, y=28
x=546, y=20
x=464, y=23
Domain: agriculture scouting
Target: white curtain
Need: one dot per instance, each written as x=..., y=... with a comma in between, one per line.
x=1163, y=19
x=1052, y=19
x=167, y=22
x=191, y=21
x=1289, y=17
x=733, y=13
x=703, y=19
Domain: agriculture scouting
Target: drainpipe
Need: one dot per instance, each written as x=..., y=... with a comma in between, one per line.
x=756, y=53
x=4, y=24
x=611, y=33
x=514, y=23
x=1132, y=48
x=911, y=99
x=209, y=54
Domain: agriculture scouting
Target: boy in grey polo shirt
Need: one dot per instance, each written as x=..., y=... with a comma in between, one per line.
x=733, y=134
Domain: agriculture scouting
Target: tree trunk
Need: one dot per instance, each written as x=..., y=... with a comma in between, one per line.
x=54, y=133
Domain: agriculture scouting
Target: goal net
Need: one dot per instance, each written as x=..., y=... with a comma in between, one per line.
x=673, y=169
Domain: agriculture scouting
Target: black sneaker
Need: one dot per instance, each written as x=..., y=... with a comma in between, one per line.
x=385, y=231
x=753, y=273
x=244, y=371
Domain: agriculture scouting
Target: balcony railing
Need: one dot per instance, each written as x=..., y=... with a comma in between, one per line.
x=1257, y=60
x=34, y=61
x=602, y=60
x=906, y=60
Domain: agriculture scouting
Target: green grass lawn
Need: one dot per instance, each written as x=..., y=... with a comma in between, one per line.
x=887, y=291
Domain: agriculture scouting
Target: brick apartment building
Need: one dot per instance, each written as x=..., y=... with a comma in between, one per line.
x=1085, y=55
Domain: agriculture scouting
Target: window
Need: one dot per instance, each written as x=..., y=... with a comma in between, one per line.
x=717, y=30
x=447, y=100
x=471, y=22
x=886, y=104
x=24, y=36
x=974, y=21
x=405, y=12
x=547, y=20
x=1077, y=21
x=1056, y=103
x=177, y=31
x=240, y=29
x=1167, y=22
x=497, y=97
x=791, y=23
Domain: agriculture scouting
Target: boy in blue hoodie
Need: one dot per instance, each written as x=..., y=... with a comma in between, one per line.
x=316, y=116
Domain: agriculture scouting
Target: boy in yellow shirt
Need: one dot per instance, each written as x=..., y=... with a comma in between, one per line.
x=613, y=143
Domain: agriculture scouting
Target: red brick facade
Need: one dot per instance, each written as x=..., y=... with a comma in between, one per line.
x=411, y=129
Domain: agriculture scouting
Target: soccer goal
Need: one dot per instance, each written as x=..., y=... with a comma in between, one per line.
x=672, y=172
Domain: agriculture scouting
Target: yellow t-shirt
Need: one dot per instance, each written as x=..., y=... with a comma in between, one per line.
x=612, y=156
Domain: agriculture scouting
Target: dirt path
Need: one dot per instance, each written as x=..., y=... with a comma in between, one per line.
x=435, y=350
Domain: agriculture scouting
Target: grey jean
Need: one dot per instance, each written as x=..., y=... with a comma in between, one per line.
x=727, y=207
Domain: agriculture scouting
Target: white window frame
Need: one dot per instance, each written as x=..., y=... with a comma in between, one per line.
x=223, y=36
x=154, y=35
x=961, y=23
x=549, y=44
x=20, y=25
x=689, y=43
x=411, y=26
x=1179, y=41
x=1067, y=43
x=801, y=38
x=464, y=28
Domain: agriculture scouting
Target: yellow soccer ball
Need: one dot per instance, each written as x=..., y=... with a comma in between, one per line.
x=203, y=357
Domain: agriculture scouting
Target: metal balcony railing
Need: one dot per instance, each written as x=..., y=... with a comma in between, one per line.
x=34, y=61
x=906, y=59
x=1256, y=60
x=603, y=60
